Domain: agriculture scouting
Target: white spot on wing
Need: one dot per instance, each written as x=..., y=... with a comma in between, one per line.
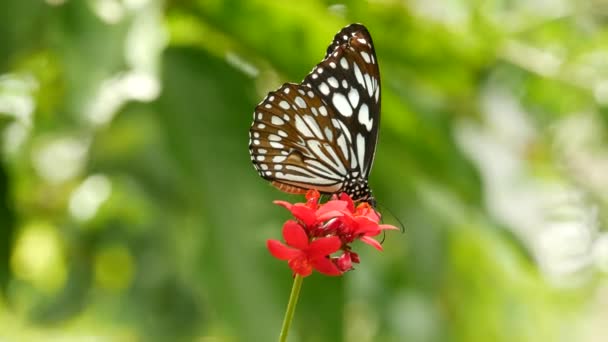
x=315, y=147
x=303, y=179
x=328, y=134
x=358, y=74
x=302, y=128
x=300, y=102
x=342, y=105
x=361, y=151
x=353, y=97
x=278, y=159
x=368, y=85
x=323, y=88
x=275, y=120
x=342, y=143
x=344, y=63
x=332, y=82
x=365, y=56
x=322, y=169
x=314, y=126
x=323, y=110
x=364, y=118
x=275, y=144
x=274, y=137
x=284, y=104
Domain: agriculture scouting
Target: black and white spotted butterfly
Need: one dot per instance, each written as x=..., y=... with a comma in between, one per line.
x=321, y=134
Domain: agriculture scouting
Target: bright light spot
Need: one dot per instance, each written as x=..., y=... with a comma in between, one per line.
x=242, y=65
x=15, y=135
x=338, y=9
x=60, y=160
x=107, y=102
x=450, y=13
x=16, y=96
x=547, y=214
x=113, y=93
x=140, y=86
x=135, y=4
x=600, y=252
x=17, y=100
x=114, y=268
x=600, y=91
x=89, y=196
x=145, y=41
x=56, y=2
x=532, y=58
x=38, y=257
x=110, y=11
x=563, y=248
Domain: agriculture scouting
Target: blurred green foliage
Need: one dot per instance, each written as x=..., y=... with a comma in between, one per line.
x=129, y=210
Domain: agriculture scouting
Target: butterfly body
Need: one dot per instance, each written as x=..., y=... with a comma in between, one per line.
x=321, y=134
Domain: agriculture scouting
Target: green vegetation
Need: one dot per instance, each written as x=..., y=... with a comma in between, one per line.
x=129, y=209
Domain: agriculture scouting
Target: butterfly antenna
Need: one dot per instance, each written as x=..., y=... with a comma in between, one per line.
x=401, y=225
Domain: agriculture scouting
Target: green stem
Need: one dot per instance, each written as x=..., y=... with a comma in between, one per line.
x=291, y=307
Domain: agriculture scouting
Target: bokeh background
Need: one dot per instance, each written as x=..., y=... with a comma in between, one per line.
x=129, y=210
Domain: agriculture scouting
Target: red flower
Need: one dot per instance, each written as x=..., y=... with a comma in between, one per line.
x=310, y=214
x=304, y=256
x=323, y=229
x=345, y=261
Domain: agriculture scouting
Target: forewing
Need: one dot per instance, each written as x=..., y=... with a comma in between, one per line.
x=348, y=80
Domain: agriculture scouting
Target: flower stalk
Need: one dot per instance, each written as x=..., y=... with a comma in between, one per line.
x=291, y=307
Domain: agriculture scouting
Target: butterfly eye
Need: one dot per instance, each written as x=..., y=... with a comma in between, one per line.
x=321, y=134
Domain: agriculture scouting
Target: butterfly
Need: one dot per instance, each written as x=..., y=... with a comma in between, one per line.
x=321, y=134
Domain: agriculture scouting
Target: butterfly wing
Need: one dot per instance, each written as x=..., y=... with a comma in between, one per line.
x=293, y=141
x=348, y=80
x=315, y=134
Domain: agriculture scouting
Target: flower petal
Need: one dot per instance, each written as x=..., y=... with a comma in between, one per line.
x=332, y=209
x=294, y=235
x=387, y=227
x=350, y=204
x=312, y=198
x=323, y=246
x=344, y=262
x=283, y=204
x=301, y=266
x=368, y=240
x=280, y=251
x=326, y=266
x=305, y=214
x=365, y=226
